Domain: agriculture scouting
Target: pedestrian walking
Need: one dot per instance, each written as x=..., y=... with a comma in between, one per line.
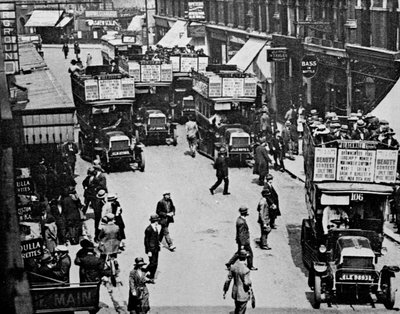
x=277, y=147
x=89, y=59
x=69, y=151
x=49, y=231
x=109, y=238
x=241, y=289
x=91, y=267
x=287, y=140
x=65, y=50
x=77, y=50
x=100, y=180
x=63, y=263
x=166, y=212
x=116, y=210
x=97, y=205
x=263, y=161
x=152, y=245
x=56, y=211
x=273, y=200
x=263, y=219
x=242, y=239
x=71, y=206
x=89, y=189
x=191, y=135
x=221, y=167
x=138, y=301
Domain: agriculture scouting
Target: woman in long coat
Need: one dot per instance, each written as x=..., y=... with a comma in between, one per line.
x=71, y=206
x=138, y=302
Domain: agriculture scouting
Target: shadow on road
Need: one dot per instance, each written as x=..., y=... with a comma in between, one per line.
x=294, y=233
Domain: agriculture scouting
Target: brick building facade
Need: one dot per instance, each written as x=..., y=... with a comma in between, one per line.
x=356, y=43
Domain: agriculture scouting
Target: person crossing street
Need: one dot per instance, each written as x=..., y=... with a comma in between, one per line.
x=152, y=245
x=166, y=212
x=221, y=167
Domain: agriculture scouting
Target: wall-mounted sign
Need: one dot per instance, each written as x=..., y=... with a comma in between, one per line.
x=102, y=13
x=277, y=54
x=196, y=30
x=196, y=10
x=8, y=27
x=309, y=66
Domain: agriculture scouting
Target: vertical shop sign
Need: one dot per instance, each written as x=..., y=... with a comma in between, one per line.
x=9, y=39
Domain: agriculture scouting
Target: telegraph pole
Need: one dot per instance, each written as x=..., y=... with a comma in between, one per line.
x=14, y=296
x=147, y=25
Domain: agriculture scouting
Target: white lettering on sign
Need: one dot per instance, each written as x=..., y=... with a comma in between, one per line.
x=214, y=86
x=357, y=197
x=356, y=165
x=91, y=90
x=324, y=164
x=110, y=89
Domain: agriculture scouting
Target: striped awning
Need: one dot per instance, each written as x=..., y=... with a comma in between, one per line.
x=44, y=18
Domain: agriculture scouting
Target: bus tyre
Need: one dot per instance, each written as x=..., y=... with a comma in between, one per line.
x=317, y=292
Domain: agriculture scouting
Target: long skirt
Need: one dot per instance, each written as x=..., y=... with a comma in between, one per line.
x=139, y=306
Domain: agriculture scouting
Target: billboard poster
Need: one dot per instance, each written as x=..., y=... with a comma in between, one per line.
x=110, y=89
x=188, y=63
x=324, y=164
x=196, y=10
x=91, y=90
x=166, y=72
x=386, y=166
x=250, y=87
x=214, y=86
x=128, y=87
x=356, y=165
x=134, y=70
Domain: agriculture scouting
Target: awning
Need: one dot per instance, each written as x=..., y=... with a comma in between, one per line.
x=64, y=21
x=44, y=18
x=260, y=67
x=177, y=35
x=137, y=23
x=246, y=55
x=389, y=109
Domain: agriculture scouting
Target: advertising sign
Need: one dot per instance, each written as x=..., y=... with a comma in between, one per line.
x=324, y=164
x=166, y=72
x=200, y=86
x=202, y=64
x=250, y=87
x=110, y=89
x=309, y=66
x=188, y=63
x=196, y=31
x=31, y=248
x=134, y=70
x=214, y=86
x=196, y=10
x=24, y=186
x=128, y=87
x=176, y=63
x=385, y=169
x=355, y=165
x=9, y=39
x=150, y=73
x=24, y=212
x=232, y=87
x=277, y=54
x=91, y=90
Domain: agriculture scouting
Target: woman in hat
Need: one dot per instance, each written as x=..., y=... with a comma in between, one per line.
x=138, y=293
x=389, y=141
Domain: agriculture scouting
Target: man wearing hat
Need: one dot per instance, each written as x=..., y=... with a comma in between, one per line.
x=91, y=267
x=360, y=133
x=152, y=244
x=63, y=263
x=69, y=151
x=166, y=211
x=389, y=141
x=242, y=288
x=242, y=239
x=321, y=135
x=261, y=155
x=100, y=181
x=138, y=301
x=71, y=205
x=97, y=205
x=263, y=219
x=287, y=140
x=46, y=269
x=273, y=201
x=109, y=237
x=89, y=188
x=221, y=167
x=344, y=132
x=277, y=151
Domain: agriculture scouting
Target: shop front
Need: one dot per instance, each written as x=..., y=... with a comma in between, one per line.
x=94, y=24
x=43, y=22
x=217, y=43
x=163, y=25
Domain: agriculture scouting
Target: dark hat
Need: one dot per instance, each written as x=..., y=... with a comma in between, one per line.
x=154, y=218
x=266, y=191
x=244, y=210
x=139, y=261
x=243, y=254
x=166, y=193
x=101, y=194
x=269, y=177
x=91, y=170
x=85, y=243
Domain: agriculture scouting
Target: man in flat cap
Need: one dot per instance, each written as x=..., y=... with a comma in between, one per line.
x=242, y=239
x=152, y=245
x=166, y=212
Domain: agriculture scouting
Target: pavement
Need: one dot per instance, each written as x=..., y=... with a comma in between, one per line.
x=296, y=170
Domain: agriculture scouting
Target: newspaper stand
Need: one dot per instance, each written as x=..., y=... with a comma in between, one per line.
x=359, y=177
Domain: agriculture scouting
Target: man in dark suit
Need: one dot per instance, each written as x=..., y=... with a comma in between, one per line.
x=242, y=239
x=166, y=211
x=273, y=200
x=113, y=67
x=221, y=167
x=263, y=161
x=91, y=267
x=241, y=289
x=152, y=244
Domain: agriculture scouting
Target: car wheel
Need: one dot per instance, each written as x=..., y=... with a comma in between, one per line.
x=317, y=292
x=389, y=294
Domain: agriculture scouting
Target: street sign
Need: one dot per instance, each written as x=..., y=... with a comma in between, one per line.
x=277, y=55
x=309, y=66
